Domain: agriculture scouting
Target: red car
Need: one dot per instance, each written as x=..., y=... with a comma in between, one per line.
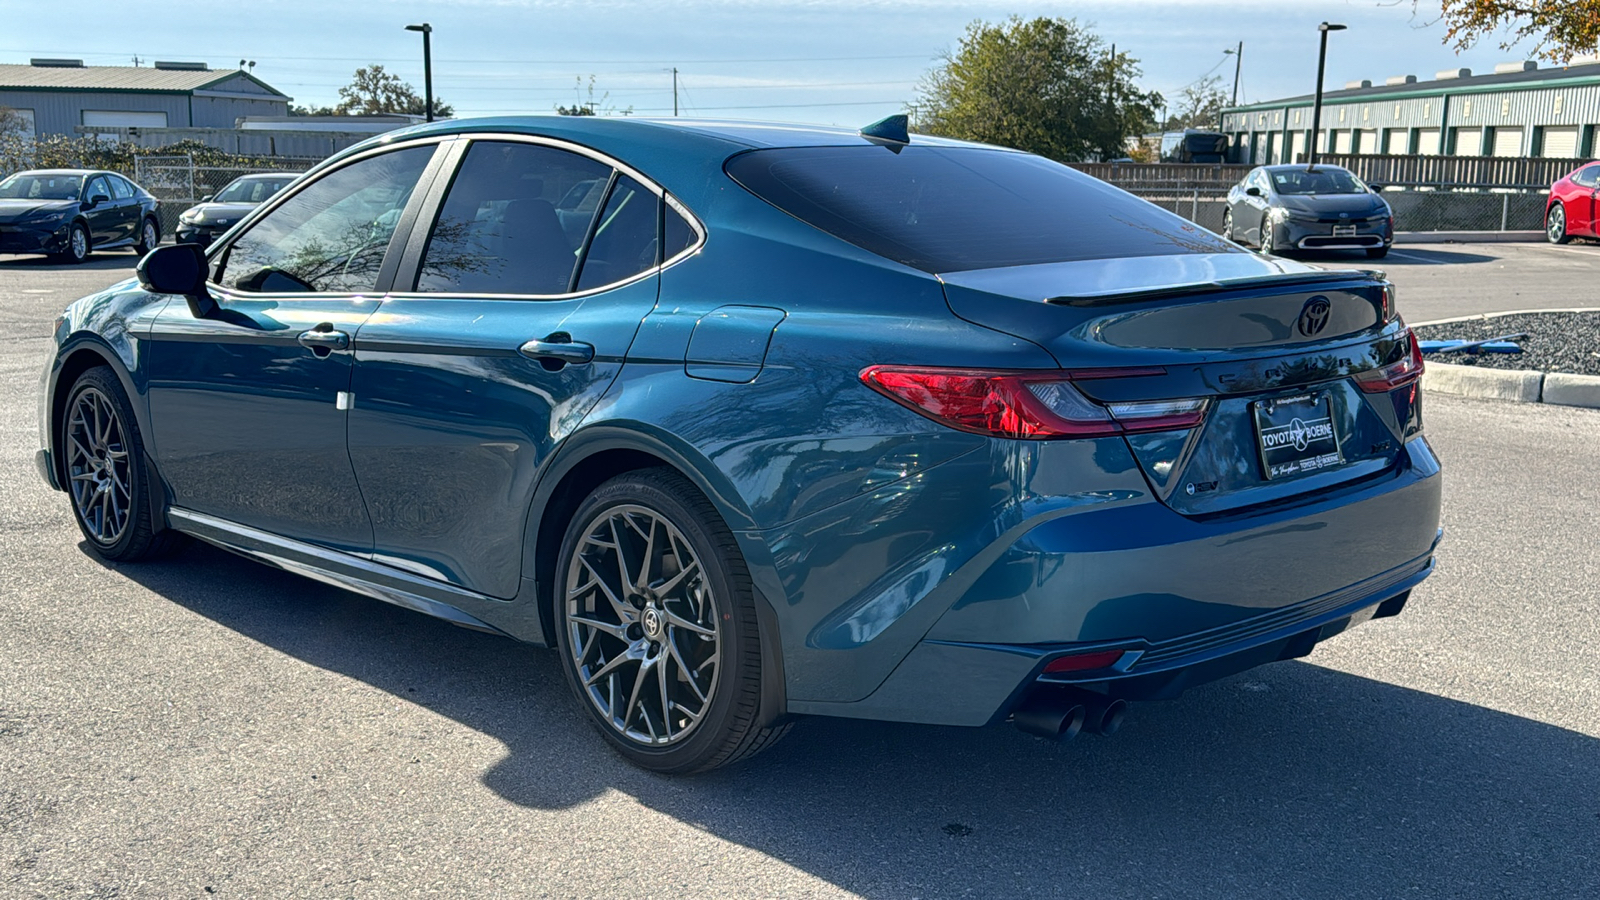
x=1572, y=211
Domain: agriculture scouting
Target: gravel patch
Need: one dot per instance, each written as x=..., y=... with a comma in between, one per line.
x=1557, y=342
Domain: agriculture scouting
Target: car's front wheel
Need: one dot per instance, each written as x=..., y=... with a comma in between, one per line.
x=77, y=246
x=657, y=627
x=103, y=459
x=1227, y=224
x=1555, y=224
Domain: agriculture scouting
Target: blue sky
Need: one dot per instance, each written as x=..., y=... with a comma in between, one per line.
x=826, y=61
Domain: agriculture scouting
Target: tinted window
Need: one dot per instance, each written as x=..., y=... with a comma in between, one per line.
x=948, y=209
x=97, y=188
x=513, y=221
x=1321, y=180
x=624, y=241
x=251, y=190
x=120, y=188
x=331, y=236
x=679, y=235
x=24, y=186
x=1587, y=176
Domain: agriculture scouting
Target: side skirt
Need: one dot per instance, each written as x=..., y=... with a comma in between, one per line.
x=342, y=570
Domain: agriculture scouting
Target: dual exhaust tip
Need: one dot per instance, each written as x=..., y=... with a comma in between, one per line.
x=1062, y=715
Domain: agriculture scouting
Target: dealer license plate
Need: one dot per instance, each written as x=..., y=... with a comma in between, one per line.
x=1296, y=435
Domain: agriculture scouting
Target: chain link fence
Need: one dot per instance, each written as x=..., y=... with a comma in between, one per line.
x=180, y=184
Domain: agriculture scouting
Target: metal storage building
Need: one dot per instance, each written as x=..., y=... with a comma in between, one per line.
x=1518, y=111
x=57, y=96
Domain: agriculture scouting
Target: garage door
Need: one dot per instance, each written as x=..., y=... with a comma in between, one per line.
x=1369, y=142
x=116, y=118
x=1297, y=147
x=1560, y=142
x=1341, y=141
x=1469, y=141
x=1507, y=142
x=1427, y=142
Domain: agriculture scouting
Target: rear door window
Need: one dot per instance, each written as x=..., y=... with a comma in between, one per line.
x=624, y=242
x=951, y=209
x=120, y=188
x=331, y=237
x=513, y=221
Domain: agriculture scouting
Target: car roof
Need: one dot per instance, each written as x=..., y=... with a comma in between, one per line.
x=1302, y=167
x=65, y=172
x=256, y=176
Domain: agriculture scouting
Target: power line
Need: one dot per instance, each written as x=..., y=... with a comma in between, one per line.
x=526, y=60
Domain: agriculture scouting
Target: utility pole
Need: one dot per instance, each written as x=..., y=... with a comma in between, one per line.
x=1238, y=60
x=1316, y=108
x=674, y=90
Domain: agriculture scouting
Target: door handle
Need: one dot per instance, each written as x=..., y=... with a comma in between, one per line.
x=323, y=340
x=564, y=351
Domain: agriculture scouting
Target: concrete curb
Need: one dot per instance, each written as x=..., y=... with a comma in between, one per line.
x=1469, y=237
x=1516, y=385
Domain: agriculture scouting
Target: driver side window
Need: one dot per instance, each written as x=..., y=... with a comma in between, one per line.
x=1587, y=176
x=332, y=236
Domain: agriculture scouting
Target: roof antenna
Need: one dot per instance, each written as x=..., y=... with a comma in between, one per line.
x=889, y=130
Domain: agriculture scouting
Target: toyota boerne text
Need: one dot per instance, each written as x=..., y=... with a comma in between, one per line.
x=752, y=422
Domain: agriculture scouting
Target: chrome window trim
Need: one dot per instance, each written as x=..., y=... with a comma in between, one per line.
x=623, y=168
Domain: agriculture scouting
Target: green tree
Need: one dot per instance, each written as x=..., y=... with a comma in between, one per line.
x=1561, y=29
x=372, y=91
x=1048, y=86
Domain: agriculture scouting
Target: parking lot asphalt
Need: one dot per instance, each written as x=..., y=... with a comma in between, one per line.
x=1443, y=281
x=208, y=727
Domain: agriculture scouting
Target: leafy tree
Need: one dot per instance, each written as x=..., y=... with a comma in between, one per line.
x=372, y=91
x=1198, y=105
x=1562, y=28
x=12, y=123
x=312, y=110
x=591, y=106
x=1048, y=86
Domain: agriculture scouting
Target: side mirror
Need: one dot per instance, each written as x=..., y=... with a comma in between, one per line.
x=178, y=269
x=1253, y=191
x=96, y=200
x=1376, y=188
x=207, y=197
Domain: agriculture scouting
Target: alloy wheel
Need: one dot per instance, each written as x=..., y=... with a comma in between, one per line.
x=98, y=467
x=642, y=624
x=80, y=243
x=148, y=234
x=1557, y=224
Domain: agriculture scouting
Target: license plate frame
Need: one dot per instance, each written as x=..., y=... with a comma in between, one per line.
x=1344, y=231
x=1296, y=435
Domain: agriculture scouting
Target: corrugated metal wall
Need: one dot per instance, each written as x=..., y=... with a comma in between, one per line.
x=224, y=112
x=59, y=112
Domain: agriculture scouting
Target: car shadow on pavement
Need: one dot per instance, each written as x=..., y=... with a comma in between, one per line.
x=110, y=259
x=1401, y=256
x=1290, y=780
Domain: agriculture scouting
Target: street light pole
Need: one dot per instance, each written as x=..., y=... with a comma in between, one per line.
x=1316, y=109
x=427, y=67
x=1238, y=60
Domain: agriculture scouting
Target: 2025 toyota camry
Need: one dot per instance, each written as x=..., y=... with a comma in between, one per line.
x=755, y=421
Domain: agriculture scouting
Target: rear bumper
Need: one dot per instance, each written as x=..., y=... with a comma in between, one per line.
x=1186, y=600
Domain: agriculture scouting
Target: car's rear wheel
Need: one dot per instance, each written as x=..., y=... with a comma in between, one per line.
x=77, y=247
x=656, y=624
x=107, y=477
x=1555, y=224
x=1227, y=224
x=149, y=237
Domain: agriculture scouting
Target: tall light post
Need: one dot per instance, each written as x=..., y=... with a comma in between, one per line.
x=1238, y=60
x=1316, y=109
x=427, y=67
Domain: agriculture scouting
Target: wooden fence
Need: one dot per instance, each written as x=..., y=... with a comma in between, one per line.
x=1479, y=172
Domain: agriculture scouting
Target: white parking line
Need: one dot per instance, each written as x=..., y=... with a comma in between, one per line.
x=1584, y=250
x=1420, y=259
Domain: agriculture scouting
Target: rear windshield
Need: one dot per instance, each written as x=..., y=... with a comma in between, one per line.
x=951, y=209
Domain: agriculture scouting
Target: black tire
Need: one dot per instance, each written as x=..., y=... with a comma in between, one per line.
x=1555, y=224
x=1377, y=252
x=78, y=245
x=629, y=646
x=149, y=236
x=106, y=470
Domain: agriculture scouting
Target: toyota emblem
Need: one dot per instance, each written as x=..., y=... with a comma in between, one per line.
x=1314, y=316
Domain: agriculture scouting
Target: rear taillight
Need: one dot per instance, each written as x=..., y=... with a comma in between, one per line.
x=1031, y=405
x=1403, y=371
x=1082, y=662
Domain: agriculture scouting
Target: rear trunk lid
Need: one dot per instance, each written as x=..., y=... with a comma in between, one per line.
x=1271, y=344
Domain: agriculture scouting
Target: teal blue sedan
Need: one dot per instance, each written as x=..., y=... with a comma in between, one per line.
x=756, y=422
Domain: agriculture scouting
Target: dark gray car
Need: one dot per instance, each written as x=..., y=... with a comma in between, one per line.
x=1299, y=207
x=217, y=213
